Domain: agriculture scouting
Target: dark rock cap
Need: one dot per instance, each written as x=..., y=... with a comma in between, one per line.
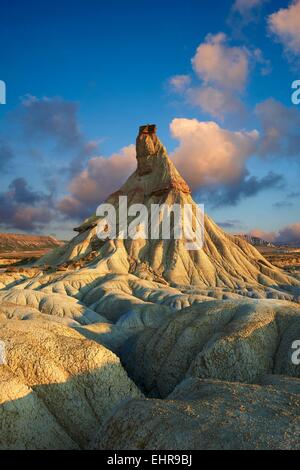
x=147, y=128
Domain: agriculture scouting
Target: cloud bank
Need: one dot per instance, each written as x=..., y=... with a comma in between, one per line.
x=94, y=184
x=280, y=129
x=23, y=208
x=288, y=234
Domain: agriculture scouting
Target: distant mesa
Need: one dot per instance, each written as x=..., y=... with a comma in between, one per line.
x=22, y=242
x=16, y=248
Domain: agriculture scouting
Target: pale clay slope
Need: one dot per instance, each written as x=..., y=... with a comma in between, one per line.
x=56, y=379
x=207, y=415
x=25, y=421
x=235, y=341
x=153, y=303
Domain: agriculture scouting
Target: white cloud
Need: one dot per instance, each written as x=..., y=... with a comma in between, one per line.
x=208, y=154
x=285, y=25
x=214, y=101
x=216, y=62
x=222, y=72
x=94, y=184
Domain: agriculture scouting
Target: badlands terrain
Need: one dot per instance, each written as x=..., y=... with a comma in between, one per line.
x=143, y=344
x=285, y=257
x=16, y=247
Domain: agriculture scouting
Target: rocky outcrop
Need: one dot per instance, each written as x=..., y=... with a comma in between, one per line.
x=56, y=387
x=205, y=415
x=227, y=340
x=58, y=305
x=25, y=421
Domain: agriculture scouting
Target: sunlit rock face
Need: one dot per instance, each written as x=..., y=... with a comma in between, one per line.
x=95, y=325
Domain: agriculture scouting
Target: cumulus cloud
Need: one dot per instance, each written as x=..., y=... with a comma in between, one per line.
x=216, y=62
x=213, y=161
x=208, y=154
x=284, y=24
x=222, y=72
x=288, y=234
x=24, y=209
x=280, y=129
x=93, y=185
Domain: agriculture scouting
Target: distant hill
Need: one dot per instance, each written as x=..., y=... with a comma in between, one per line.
x=14, y=242
x=288, y=244
x=255, y=241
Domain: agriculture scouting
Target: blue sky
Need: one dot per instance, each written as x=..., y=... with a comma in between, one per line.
x=81, y=78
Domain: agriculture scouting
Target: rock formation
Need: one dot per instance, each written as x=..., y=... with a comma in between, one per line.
x=206, y=415
x=225, y=262
x=206, y=335
x=238, y=341
x=56, y=386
